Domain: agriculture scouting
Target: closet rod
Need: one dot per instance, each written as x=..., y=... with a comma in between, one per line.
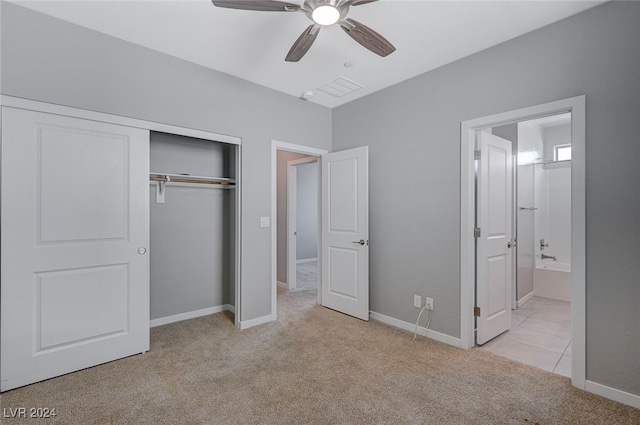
x=186, y=178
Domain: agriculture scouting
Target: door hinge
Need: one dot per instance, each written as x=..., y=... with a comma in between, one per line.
x=476, y=155
x=476, y=232
x=476, y=311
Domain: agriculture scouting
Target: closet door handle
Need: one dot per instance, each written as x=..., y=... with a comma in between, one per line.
x=361, y=242
x=142, y=250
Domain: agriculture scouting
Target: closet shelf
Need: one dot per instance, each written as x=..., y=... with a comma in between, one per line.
x=163, y=179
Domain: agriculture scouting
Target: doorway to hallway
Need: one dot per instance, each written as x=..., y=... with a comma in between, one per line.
x=302, y=221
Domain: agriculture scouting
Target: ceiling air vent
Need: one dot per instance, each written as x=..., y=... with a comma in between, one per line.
x=340, y=87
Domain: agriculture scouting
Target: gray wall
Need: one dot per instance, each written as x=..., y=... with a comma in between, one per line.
x=413, y=133
x=413, y=130
x=50, y=60
x=307, y=212
x=281, y=206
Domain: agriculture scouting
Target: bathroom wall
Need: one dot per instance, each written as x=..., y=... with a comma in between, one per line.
x=552, y=278
x=554, y=193
x=556, y=135
x=542, y=207
x=555, y=219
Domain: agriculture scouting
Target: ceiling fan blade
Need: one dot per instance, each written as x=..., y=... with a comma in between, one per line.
x=260, y=5
x=359, y=2
x=303, y=43
x=367, y=37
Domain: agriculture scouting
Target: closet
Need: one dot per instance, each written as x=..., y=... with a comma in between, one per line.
x=110, y=225
x=192, y=208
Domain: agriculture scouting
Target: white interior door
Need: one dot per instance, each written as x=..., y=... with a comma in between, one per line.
x=494, y=265
x=75, y=230
x=345, y=231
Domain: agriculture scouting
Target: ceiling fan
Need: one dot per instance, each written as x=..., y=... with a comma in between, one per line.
x=322, y=13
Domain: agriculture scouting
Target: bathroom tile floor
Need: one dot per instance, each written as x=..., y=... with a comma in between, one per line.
x=540, y=336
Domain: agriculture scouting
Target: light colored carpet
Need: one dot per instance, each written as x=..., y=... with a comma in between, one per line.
x=313, y=366
x=306, y=276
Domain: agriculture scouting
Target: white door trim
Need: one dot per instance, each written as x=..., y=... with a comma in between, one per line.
x=575, y=105
x=51, y=108
x=292, y=210
x=289, y=147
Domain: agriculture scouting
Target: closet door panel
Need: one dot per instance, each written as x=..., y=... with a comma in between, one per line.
x=82, y=163
x=75, y=235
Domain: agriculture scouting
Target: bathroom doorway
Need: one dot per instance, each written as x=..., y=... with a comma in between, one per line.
x=540, y=332
x=471, y=314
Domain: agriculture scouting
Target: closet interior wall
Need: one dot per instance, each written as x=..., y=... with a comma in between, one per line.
x=192, y=244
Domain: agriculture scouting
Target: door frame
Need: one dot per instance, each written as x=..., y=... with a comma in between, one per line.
x=292, y=217
x=575, y=105
x=276, y=146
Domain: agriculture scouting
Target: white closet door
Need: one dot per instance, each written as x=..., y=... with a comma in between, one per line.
x=75, y=231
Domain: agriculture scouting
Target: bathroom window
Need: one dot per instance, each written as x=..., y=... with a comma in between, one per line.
x=562, y=152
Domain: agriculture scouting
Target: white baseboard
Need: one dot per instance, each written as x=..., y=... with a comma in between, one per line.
x=307, y=260
x=613, y=394
x=524, y=299
x=191, y=315
x=283, y=285
x=437, y=336
x=246, y=324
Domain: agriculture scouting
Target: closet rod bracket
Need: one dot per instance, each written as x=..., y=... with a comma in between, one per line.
x=160, y=190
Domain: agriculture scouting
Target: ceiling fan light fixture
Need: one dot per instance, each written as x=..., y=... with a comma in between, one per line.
x=325, y=15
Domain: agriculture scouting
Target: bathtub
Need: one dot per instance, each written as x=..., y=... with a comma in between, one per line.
x=552, y=279
x=547, y=264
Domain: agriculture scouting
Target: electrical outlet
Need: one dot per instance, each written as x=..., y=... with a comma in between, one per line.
x=417, y=301
x=428, y=302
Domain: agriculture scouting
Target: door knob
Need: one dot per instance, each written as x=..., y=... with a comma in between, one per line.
x=512, y=244
x=361, y=242
x=142, y=250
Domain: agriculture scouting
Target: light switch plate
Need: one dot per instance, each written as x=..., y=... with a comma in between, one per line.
x=265, y=222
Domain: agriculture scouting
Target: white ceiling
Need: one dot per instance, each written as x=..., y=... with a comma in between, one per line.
x=252, y=45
